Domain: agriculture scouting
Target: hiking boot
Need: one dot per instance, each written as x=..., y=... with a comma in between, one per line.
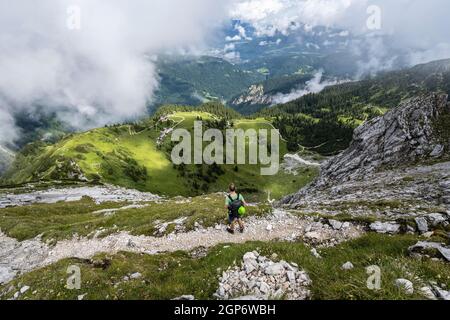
x=230, y=230
x=241, y=230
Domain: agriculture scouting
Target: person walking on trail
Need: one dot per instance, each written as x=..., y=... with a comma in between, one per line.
x=235, y=204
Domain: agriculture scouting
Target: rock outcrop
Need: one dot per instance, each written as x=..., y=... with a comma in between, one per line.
x=402, y=136
x=255, y=95
x=383, y=162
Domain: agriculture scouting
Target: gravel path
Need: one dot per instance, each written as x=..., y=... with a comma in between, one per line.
x=99, y=194
x=21, y=257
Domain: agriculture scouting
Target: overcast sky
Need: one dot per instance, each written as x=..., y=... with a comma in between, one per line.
x=103, y=73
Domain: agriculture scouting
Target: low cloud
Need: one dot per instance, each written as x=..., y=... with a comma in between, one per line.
x=315, y=85
x=414, y=31
x=104, y=72
x=99, y=73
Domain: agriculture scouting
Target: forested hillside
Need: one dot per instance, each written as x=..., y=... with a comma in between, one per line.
x=193, y=80
x=325, y=121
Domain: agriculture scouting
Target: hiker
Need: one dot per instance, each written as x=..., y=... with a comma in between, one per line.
x=234, y=203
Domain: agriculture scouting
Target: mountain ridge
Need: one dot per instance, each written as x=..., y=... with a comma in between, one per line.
x=405, y=137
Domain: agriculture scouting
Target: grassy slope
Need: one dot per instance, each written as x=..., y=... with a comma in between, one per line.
x=248, y=177
x=104, y=154
x=167, y=276
x=101, y=157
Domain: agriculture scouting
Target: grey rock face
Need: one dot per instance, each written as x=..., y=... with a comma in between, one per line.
x=274, y=269
x=428, y=293
x=385, y=227
x=436, y=219
x=438, y=151
x=254, y=95
x=423, y=246
x=442, y=294
x=17, y=257
x=404, y=135
x=401, y=137
x=135, y=275
x=422, y=224
x=336, y=225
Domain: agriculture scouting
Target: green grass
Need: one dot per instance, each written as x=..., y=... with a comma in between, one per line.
x=128, y=156
x=166, y=276
x=248, y=177
x=63, y=220
x=344, y=217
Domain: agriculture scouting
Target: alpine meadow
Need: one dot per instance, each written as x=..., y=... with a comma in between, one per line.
x=237, y=152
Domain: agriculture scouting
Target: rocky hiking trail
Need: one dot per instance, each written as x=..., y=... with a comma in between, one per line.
x=394, y=180
x=21, y=257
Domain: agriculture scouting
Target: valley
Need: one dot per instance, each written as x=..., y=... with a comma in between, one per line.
x=138, y=156
x=363, y=182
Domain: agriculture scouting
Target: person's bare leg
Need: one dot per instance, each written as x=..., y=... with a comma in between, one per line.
x=241, y=224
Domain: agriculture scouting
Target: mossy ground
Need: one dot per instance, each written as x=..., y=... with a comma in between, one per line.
x=166, y=276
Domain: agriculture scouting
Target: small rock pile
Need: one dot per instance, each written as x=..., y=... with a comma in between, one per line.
x=261, y=278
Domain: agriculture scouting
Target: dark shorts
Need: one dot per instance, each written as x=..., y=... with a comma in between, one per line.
x=232, y=217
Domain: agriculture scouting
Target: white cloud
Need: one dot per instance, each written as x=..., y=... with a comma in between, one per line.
x=420, y=27
x=234, y=38
x=101, y=73
x=104, y=73
x=271, y=16
x=257, y=10
x=229, y=47
x=242, y=32
x=315, y=85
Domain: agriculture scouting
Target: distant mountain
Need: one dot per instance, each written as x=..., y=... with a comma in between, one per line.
x=301, y=48
x=188, y=80
x=325, y=121
x=301, y=41
x=240, y=58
